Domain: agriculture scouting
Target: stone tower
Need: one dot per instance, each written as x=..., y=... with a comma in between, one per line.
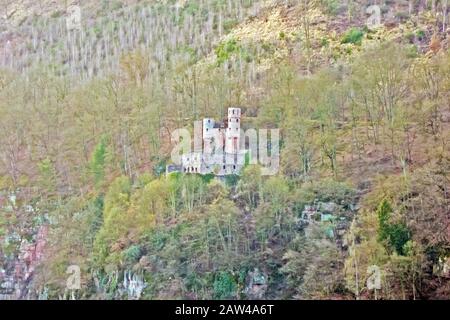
x=233, y=134
x=209, y=134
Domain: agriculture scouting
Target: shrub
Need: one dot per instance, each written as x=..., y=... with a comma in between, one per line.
x=224, y=286
x=324, y=42
x=420, y=34
x=353, y=36
x=396, y=235
x=207, y=178
x=399, y=235
x=132, y=254
x=231, y=180
x=97, y=163
x=225, y=50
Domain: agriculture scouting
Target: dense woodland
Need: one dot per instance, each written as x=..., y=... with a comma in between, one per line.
x=86, y=118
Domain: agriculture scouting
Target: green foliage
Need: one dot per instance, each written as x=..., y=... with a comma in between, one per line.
x=216, y=191
x=207, y=178
x=144, y=180
x=250, y=185
x=384, y=215
x=353, y=36
x=276, y=191
x=395, y=234
x=224, y=286
x=412, y=51
x=192, y=189
x=47, y=181
x=399, y=235
x=160, y=168
x=225, y=49
x=132, y=254
x=115, y=222
x=97, y=164
x=118, y=196
x=420, y=34
x=247, y=159
x=324, y=42
x=46, y=171
x=232, y=180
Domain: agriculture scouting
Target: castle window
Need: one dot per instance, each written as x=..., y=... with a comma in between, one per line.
x=234, y=167
x=233, y=111
x=207, y=129
x=224, y=167
x=237, y=120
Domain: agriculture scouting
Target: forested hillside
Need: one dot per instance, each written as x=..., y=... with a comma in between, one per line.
x=86, y=117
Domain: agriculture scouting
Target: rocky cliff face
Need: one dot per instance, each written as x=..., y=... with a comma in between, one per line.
x=17, y=273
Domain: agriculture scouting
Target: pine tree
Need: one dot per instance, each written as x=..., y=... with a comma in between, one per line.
x=384, y=214
x=98, y=162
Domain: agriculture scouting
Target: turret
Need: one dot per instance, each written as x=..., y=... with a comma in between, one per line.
x=232, y=143
x=209, y=133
